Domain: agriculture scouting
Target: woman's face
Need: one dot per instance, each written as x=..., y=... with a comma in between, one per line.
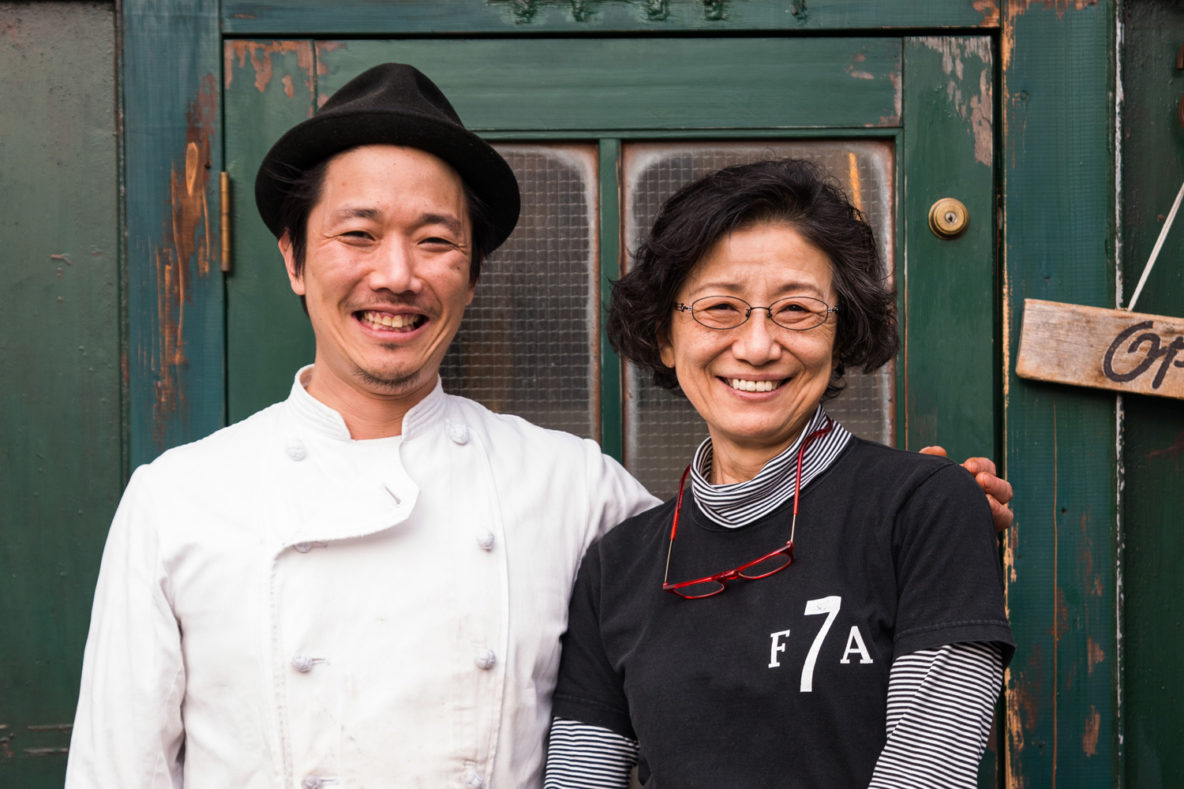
x=755, y=385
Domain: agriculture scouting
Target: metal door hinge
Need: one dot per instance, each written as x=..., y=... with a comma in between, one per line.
x=224, y=183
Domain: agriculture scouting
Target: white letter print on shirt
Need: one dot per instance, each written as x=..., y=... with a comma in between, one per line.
x=855, y=644
x=830, y=607
x=778, y=646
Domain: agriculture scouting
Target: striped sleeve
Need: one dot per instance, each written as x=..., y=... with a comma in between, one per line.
x=583, y=756
x=940, y=706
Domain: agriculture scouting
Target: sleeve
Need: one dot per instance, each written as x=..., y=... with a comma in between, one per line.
x=613, y=493
x=948, y=572
x=582, y=756
x=128, y=729
x=589, y=690
x=940, y=706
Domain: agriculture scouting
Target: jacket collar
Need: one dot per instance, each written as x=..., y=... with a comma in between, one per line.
x=326, y=422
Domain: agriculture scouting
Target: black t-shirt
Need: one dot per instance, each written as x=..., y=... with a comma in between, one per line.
x=781, y=681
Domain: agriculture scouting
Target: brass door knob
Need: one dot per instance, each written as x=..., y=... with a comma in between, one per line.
x=948, y=218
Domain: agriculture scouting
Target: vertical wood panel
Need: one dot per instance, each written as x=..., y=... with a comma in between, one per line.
x=171, y=78
x=60, y=468
x=1153, y=442
x=1060, y=440
x=270, y=86
x=948, y=289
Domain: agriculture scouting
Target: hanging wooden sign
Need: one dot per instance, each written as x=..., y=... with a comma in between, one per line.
x=1108, y=349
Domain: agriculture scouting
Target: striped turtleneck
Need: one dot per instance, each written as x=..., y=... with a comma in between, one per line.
x=741, y=503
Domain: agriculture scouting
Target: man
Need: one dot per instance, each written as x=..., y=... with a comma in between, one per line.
x=365, y=584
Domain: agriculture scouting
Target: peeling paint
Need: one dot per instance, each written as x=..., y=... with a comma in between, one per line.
x=1060, y=624
x=236, y=54
x=1176, y=450
x=1095, y=654
x=1093, y=726
x=185, y=249
x=990, y=11
x=976, y=106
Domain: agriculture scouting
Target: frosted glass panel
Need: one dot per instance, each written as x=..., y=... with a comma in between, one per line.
x=529, y=343
x=661, y=428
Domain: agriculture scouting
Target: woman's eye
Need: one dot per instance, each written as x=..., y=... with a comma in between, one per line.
x=722, y=306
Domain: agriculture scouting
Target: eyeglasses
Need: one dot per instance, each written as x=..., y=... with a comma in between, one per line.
x=771, y=563
x=798, y=313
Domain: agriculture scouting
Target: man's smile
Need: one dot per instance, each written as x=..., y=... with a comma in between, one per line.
x=385, y=321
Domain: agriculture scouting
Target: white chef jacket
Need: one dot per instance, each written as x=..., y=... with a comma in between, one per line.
x=282, y=606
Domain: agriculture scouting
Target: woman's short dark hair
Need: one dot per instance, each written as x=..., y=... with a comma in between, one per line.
x=795, y=192
x=304, y=191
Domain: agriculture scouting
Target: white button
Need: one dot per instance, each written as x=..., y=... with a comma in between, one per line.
x=296, y=450
x=316, y=781
x=304, y=663
x=473, y=780
x=459, y=434
x=486, y=659
x=485, y=540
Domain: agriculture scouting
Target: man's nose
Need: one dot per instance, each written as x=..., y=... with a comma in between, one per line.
x=394, y=268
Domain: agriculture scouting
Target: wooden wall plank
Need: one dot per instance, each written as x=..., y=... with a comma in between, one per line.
x=1153, y=441
x=270, y=86
x=948, y=292
x=376, y=18
x=1060, y=441
x=854, y=82
x=60, y=403
x=171, y=68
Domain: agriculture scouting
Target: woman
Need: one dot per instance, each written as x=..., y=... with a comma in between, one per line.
x=740, y=635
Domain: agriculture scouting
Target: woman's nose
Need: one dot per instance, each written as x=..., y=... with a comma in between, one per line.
x=757, y=340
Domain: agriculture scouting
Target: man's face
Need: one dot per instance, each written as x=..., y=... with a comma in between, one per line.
x=386, y=273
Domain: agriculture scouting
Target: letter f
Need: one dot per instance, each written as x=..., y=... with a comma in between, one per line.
x=778, y=646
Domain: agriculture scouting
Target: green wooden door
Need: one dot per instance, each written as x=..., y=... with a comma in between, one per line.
x=598, y=131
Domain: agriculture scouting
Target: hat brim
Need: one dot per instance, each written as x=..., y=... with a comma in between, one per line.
x=319, y=138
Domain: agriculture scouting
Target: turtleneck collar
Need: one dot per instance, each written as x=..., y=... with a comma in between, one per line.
x=741, y=503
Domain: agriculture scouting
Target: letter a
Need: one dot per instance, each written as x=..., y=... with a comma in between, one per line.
x=855, y=644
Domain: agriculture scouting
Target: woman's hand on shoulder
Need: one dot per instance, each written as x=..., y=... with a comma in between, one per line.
x=998, y=490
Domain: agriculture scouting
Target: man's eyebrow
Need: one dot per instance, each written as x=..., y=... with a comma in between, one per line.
x=356, y=212
x=448, y=220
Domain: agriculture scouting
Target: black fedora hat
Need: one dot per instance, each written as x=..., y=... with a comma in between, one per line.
x=391, y=104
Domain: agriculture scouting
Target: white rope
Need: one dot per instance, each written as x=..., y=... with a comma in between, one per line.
x=1163, y=234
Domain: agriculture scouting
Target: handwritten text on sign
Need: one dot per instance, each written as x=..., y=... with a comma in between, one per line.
x=1109, y=349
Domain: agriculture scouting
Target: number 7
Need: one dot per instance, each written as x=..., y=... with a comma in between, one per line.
x=825, y=605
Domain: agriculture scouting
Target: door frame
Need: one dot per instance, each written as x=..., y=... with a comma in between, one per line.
x=1057, y=228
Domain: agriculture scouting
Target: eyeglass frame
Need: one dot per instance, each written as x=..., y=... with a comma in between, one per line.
x=737, y=573
x=683, y=307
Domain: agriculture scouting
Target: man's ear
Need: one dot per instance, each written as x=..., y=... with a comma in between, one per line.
x=295, y=280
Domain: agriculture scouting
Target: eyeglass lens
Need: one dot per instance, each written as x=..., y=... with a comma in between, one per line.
x=761, y=568
x=726, y=312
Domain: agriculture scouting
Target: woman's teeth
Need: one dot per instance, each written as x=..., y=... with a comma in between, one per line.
x=752, y=386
